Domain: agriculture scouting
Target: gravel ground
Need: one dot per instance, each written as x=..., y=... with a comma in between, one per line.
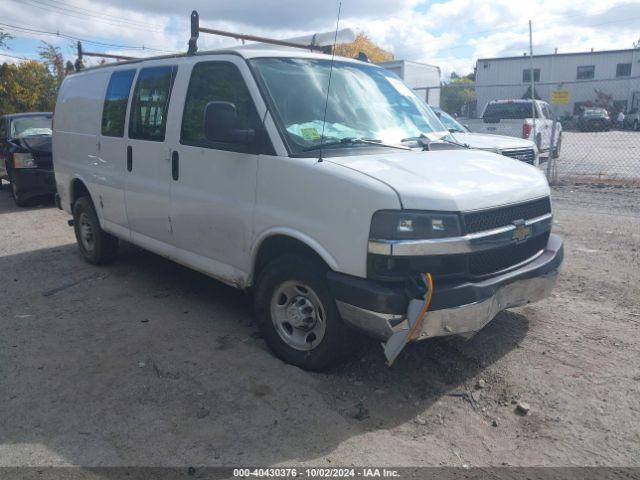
x=147, y=363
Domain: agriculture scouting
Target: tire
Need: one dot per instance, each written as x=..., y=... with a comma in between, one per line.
x=20, y=202
x=298, y=315
x=96, y=246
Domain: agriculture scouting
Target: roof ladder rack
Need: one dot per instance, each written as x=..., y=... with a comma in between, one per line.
x=82, y=53
x=196, y=29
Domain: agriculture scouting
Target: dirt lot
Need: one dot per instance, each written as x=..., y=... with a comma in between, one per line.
x=148, y=363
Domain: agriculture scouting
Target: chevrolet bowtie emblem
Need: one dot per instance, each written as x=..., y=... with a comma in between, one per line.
x=522, y=231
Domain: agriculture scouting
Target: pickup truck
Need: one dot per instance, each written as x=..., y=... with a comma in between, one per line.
x=514, y=118
x=517, y=148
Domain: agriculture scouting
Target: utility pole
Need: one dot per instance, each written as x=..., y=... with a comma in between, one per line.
x=533, y=97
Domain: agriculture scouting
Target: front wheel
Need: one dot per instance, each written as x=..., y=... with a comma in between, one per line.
x=298, y=315
x=15, y=193
x=96, y=246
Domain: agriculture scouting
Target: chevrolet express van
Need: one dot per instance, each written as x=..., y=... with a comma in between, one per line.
x=352, y=211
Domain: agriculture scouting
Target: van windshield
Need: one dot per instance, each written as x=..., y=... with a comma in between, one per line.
x=365, y=102
x=448, y=121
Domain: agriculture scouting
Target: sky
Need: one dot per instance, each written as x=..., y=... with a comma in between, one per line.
x=452, y=34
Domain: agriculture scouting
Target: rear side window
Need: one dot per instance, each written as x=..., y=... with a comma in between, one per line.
x=216, y=81
x=515, y=110
x=115, y=103
x=148, y=118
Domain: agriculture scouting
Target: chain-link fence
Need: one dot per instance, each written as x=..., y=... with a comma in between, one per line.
x=597, y=129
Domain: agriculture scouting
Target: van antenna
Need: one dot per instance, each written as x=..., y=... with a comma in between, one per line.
x=326, y=102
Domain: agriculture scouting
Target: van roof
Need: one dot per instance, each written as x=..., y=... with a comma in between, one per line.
x=245, y=51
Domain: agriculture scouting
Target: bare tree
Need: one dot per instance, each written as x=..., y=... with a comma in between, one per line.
x=4, y=37
x=52, y=57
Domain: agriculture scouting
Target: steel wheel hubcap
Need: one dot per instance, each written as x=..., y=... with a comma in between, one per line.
x=86, y=232
x=298, y=315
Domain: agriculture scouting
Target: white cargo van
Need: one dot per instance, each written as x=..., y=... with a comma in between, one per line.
x=372, y=221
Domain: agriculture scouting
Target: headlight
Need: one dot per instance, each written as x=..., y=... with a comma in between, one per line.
x=402, y=225
x=23, y=160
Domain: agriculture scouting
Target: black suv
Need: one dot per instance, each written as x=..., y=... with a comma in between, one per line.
x=25, y=155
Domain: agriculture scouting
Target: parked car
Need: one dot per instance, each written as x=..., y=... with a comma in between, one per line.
x=518, y=148
x=25, y=155
x=223, y=162
x=514, y=118
x=632, y=119
x=594, y=120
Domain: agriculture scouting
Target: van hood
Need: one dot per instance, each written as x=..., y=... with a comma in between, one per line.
x=451, y=180
x=486, y=141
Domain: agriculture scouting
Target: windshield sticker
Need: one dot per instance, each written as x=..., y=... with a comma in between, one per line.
x=310, y=134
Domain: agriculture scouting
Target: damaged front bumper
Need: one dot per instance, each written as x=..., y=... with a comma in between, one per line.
x=456, y=309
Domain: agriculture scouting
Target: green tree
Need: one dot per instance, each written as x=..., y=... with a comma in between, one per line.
x=459, y=95
x=26, y=87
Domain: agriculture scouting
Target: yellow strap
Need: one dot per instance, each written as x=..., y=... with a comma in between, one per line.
x=423, y=313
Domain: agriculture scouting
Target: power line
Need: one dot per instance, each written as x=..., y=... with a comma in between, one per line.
x=39, y=4
x=2, y=54
x=87, y=12
x=84, y=40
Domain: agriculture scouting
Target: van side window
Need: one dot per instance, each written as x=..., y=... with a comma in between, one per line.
x=216, y=81
x=148, y=117
x=114, y=110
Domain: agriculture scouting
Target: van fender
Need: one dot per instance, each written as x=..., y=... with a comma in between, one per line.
x=71, y=198
x=309, y=241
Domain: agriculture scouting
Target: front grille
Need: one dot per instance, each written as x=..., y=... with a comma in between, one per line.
x=526, y=155
x=501, y=216
x=501, y=258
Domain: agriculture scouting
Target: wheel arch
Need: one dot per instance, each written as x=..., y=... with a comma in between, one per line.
x=78, y=188
x=278, y=242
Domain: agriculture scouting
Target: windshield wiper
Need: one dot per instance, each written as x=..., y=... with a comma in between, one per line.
x=426, y=141
x=353, y=141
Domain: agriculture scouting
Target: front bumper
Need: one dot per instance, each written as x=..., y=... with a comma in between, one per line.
x=32, y=182
x=456, y=309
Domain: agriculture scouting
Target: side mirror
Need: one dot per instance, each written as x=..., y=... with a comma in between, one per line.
x=220, y=122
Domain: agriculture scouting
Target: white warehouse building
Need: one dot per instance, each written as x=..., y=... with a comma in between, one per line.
x=606, y=78
x=424, y=79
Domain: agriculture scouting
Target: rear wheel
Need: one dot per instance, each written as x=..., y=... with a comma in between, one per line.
x=96, y=246
x=298, y=315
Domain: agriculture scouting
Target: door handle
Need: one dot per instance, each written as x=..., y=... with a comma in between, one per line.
x=129, y=158
x=175, y=165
